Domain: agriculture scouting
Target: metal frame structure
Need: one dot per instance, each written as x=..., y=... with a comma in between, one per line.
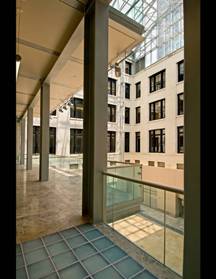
x=163, y=26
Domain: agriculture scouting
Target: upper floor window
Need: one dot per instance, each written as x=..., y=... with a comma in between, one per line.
x=127, y=142
x=127, y=91
x=138, y=89
x=157, y=81
x=180, y=103
x=76, y=111
x=157, y=110
x=128, y=67
x=76, y=141
x=137, y=114
x=111, y=113
x=53, y=113
x=111, y=141
x=180, y=139
x=137, y=141
x=157, y=140
x=181, y=70
x=127, y=115
x=111, y=86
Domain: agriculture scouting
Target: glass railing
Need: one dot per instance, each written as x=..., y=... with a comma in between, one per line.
x=147, y=214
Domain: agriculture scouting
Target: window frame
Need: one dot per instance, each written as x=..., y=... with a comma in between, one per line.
x=127, y=94
x=110, y=135
x=74, y=112
x=138, y=89
x=130, y=68
x=178, y=103
x=137, y=141
x=180, y=149
x=127, y=109
x=152, y=113
x=153, y=148
x=127, y=143
x=152, y=81
x=111, y=86
x=73, y=145
x=180, y=75
x=138, y=115
x=111, y=113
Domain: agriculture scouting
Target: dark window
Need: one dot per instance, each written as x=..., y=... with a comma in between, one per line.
x=36, y=140
x=111, y=141
x=180, y=103
x=76, y=141
x=127, y=90
x=53, y=113
x=76, y=111
x=127, y=115
x=157, y=81
x=138, y=115
x=157, y=140
x=111, y=86
x=180, y=139
x=52, y=145
x=138, y=89
x=181, y=70
x=111, y=113
x=137, y=141
x=127, y=142
x=128, y=68
x=157, y=110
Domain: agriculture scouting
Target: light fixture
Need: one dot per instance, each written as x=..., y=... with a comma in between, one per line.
x=61, y=110
x=117, y=70
x=65, y=107
x=18, y=57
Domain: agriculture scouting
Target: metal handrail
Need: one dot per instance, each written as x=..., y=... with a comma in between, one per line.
x=137, y=164
x=146, y=183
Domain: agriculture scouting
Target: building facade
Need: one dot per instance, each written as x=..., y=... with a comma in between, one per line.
x=145, y=116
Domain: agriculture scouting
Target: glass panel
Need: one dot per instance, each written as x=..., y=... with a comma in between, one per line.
x=149, y=217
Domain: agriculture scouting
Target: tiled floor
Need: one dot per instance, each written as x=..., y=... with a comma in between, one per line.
x=79, y=252
x=149, y=236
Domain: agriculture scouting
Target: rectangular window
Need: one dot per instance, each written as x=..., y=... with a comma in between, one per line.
x=157, y=110
x=111, y=141
x=111, y=86
x=137, y=141
x=128, y=68
x=157, y=141
x=180, y=166
x=161, y=164
x=127, y=115
x=180, y=103
x=138, y=89
x=180, y=70
x=151, y=163
x=137, y=114
x=36, y=140
x=127, y=161
x=127, y=142
x=137, y=161
x=76, y=141
x=180, y=139
x=127, y=91
x=111, y=113
x=76, y=111
x=157, y=81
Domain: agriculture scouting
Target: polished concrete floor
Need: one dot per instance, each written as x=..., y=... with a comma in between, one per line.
x=46, y=207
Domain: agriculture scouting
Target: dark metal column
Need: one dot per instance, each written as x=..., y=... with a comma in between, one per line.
x=29, y=138
x=95, y=107
x=44, y=132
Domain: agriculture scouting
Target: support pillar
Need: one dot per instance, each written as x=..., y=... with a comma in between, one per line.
x=29, y=138
x=192, y=147
x=95, y=108
x=44, y=132
x=22, y=151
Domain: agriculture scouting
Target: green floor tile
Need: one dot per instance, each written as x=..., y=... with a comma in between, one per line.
x=75, y=271
x=108, y=273
x=31, y=245
x=102, y=243
x=114, y=253
x=40, y=269
x=52, y=238
x=64, y=260
x=57, y=248
x=84, y=251
x=94, y=263
x=69, y=233
x=90, y=235
x=21, y=273
x=76, y=241
x=36, y=256
x=128, y=267
x=19, y=261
